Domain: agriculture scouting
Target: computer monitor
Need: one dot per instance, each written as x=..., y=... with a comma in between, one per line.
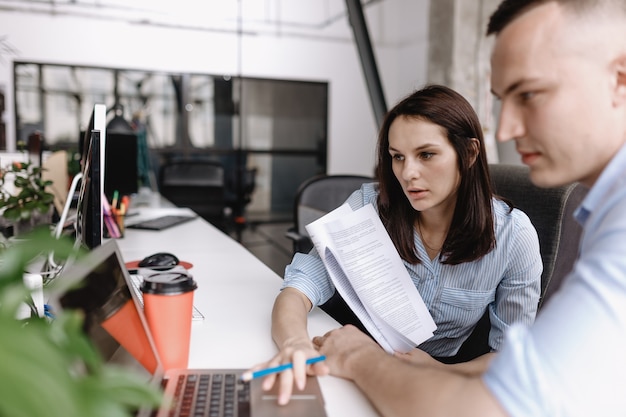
x=89, y=206
x=120, y=163
x=89, y=210
x=120, y=153
x=97, y=121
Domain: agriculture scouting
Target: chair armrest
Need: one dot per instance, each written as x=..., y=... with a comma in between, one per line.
x=293, y=235
x=301, y=243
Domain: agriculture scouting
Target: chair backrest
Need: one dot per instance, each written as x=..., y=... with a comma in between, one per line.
x=197, y=184
x=551, y=212
x=320, y=195
x=316, y=197
x=239, y=189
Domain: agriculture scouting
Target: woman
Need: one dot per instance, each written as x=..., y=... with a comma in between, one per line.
x=466, y=251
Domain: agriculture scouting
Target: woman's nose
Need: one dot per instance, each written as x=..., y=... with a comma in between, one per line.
x=410, y=170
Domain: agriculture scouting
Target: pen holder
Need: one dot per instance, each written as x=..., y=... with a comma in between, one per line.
x=120, y=220
x=114, y=225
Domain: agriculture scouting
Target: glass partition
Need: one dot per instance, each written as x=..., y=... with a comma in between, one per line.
x=278, y=128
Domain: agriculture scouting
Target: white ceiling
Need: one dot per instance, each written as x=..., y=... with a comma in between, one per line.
x=315, y=17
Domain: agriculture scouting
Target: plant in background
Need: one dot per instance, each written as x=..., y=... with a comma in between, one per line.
x=28, y=198
x=50, y=367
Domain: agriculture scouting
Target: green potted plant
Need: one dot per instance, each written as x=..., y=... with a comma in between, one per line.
x=49, y=366
x=24, y=201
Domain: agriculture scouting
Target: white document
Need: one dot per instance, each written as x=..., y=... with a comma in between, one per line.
x=369, y=274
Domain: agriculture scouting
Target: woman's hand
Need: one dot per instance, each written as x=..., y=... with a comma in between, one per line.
x=297, y=352
x=345, y=347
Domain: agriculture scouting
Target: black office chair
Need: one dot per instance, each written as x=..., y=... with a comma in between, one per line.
x=241, y=189
x=195, y=183
x=551, y=212
x=238, y=194
x=316, y=197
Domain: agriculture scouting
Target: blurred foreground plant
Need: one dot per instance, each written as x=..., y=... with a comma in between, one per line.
x=28, y=196
x=50, y=368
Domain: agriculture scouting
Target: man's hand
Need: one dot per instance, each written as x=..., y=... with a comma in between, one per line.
x=343, y=347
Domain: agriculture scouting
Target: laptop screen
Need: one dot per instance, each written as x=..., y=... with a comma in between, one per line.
x=113, y=322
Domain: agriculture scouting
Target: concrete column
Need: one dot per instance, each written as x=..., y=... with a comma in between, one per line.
x=459, y=54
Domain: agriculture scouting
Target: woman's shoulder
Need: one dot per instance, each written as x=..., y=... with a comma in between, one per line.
x=505, y=216
x=367, y=194
x=515, y=231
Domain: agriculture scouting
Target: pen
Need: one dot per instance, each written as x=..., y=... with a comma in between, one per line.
x=247, y=376
x=126, y=202
x=115, y=197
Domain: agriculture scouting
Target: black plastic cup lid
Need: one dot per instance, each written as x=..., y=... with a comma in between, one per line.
x=170, y=284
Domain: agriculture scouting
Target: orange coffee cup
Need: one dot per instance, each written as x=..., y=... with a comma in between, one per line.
x=106, y=301
x=168, y=306
x=125, y=326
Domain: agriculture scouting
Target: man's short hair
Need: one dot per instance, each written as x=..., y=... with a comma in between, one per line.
x=509, y=10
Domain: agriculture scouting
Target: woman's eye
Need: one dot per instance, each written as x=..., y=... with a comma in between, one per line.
x=426, y=155
x=397, y=157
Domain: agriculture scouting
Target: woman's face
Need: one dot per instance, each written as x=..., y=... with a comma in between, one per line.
x=425, y=164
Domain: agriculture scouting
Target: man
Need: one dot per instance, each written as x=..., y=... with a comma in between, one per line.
x=559, y=69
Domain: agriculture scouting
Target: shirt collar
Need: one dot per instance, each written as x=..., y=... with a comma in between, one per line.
x=613, y=174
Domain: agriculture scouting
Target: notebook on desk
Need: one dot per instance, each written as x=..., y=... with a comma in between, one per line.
x=106, y=293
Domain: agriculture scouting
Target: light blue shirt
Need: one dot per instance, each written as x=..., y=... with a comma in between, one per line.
x=572, y=362
x=506, y=281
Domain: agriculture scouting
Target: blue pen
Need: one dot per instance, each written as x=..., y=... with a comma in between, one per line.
x=247, y=376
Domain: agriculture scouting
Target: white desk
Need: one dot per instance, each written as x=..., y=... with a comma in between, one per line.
x=231, y=279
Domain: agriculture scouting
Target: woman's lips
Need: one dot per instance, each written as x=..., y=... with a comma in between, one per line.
x=416, y=194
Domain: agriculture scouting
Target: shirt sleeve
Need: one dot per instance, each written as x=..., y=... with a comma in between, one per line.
x=517, y=295
x=307, y=272
x=571, y=362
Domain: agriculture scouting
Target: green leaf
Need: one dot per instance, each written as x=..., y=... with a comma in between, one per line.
x=26, y=212
x=35, y=381
x=116, y=386
x=12, y=213
x=52, y=369
x=21, y=182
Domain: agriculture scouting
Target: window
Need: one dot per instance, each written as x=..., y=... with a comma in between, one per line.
x=278, y=127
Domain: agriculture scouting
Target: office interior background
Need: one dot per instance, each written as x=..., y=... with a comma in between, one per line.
x=280, y=82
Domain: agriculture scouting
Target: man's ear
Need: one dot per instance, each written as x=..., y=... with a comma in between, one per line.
x=475, y=149
x=619, y=71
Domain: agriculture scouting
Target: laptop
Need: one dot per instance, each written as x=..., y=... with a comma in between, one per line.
x=116, y=325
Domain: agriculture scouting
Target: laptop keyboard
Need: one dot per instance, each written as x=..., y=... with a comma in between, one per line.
x=161, y=223
x=212, y=395
x=136, y=280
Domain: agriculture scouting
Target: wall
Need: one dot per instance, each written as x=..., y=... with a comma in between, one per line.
x=398, y=29
x=460, y=59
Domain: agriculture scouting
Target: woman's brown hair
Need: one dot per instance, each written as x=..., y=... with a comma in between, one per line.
x=471, y=234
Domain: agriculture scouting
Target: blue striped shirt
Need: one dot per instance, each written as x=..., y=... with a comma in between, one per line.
x=506, y=281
